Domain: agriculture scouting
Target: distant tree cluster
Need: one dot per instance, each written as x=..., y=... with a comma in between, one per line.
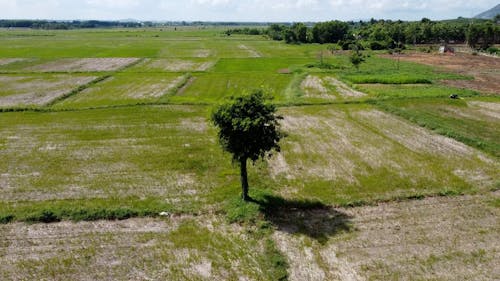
x=44, y=24
x=245, y=31
x=387, y=34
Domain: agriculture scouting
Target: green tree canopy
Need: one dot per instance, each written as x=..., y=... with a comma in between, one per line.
x=329, y=32
x=248, y=128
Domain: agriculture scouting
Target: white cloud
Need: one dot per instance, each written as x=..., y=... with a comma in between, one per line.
x=113, y=3
x=243, y=10
x=212, y=2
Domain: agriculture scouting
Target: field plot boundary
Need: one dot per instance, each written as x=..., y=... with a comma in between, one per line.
x=35, y=100
x=82, y=65
x=78, y=90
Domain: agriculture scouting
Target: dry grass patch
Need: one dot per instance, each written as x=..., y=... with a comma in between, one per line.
x=373, y=153
x=173, y=65
x=436, y=238
x=416, y=138
x=251, y=51
x=203, y=53
x=83, y=65
x=126, y=89
x=10, y=60
x=313, y=87
x=160, y=152
x=37, y=90
x=490, y=109
x=343, y=89
x=177, y=248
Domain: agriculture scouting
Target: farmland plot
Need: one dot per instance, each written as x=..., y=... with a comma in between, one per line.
x=166, y=152
x=29, y=90
x=474, y=121
x=412, y=90
x=328, y=87
x=123, y=89
x=172, y=65
x=215, y=86
x=83, y=65
x=178, y=248
x=346, y=154
x=432, y=239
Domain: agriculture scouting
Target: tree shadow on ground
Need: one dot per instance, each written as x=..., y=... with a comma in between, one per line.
x=311, y=218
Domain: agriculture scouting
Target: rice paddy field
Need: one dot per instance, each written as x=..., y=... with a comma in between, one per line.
x=110, y=168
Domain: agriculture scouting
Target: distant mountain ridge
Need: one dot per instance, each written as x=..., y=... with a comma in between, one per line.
x=490, y=14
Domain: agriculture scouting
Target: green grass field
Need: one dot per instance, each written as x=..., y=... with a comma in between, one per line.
x=109, y=128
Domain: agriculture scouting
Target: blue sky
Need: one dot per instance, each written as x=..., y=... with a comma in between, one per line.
x=242, y=10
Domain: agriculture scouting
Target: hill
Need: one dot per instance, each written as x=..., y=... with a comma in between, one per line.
x=490, y=14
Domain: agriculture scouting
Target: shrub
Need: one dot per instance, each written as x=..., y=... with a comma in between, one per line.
x=4, y=219
x=45, y=216
x=493, y=50
x=377, y=45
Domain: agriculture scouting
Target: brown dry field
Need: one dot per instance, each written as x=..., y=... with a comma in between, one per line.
x=484, y=69
x=134, y=249
x=83, y=65
x=432, y=239
x=32, y=90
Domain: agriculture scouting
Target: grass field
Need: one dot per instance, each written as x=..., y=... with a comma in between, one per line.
x=103, y=130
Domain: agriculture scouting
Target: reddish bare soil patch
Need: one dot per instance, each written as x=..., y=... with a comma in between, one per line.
x=485, y=70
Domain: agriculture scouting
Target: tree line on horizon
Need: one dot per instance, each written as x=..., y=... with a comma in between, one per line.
x=384, y=34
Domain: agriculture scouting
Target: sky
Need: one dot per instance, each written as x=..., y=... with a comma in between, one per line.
x=242, y=10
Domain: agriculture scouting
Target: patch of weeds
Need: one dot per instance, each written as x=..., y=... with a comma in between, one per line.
x=495, y=202
x=293, y=90
x=239, y=211
x=45, y=216
x=323, y=65
x=354, y=203
x=101, y=214
x=5, y=219
x=276, y=261
x=387, y=79
x=87, y=210
x=450, y=192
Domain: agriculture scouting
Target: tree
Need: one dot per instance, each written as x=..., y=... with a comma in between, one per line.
x=356, y=57
x=329, y=32
x=300, y=31
x=248, y=128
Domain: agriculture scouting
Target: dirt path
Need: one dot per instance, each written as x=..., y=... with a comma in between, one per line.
x=485, y=70
x=436, y=238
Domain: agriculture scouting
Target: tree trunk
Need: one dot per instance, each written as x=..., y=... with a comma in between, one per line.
x=244, y=179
